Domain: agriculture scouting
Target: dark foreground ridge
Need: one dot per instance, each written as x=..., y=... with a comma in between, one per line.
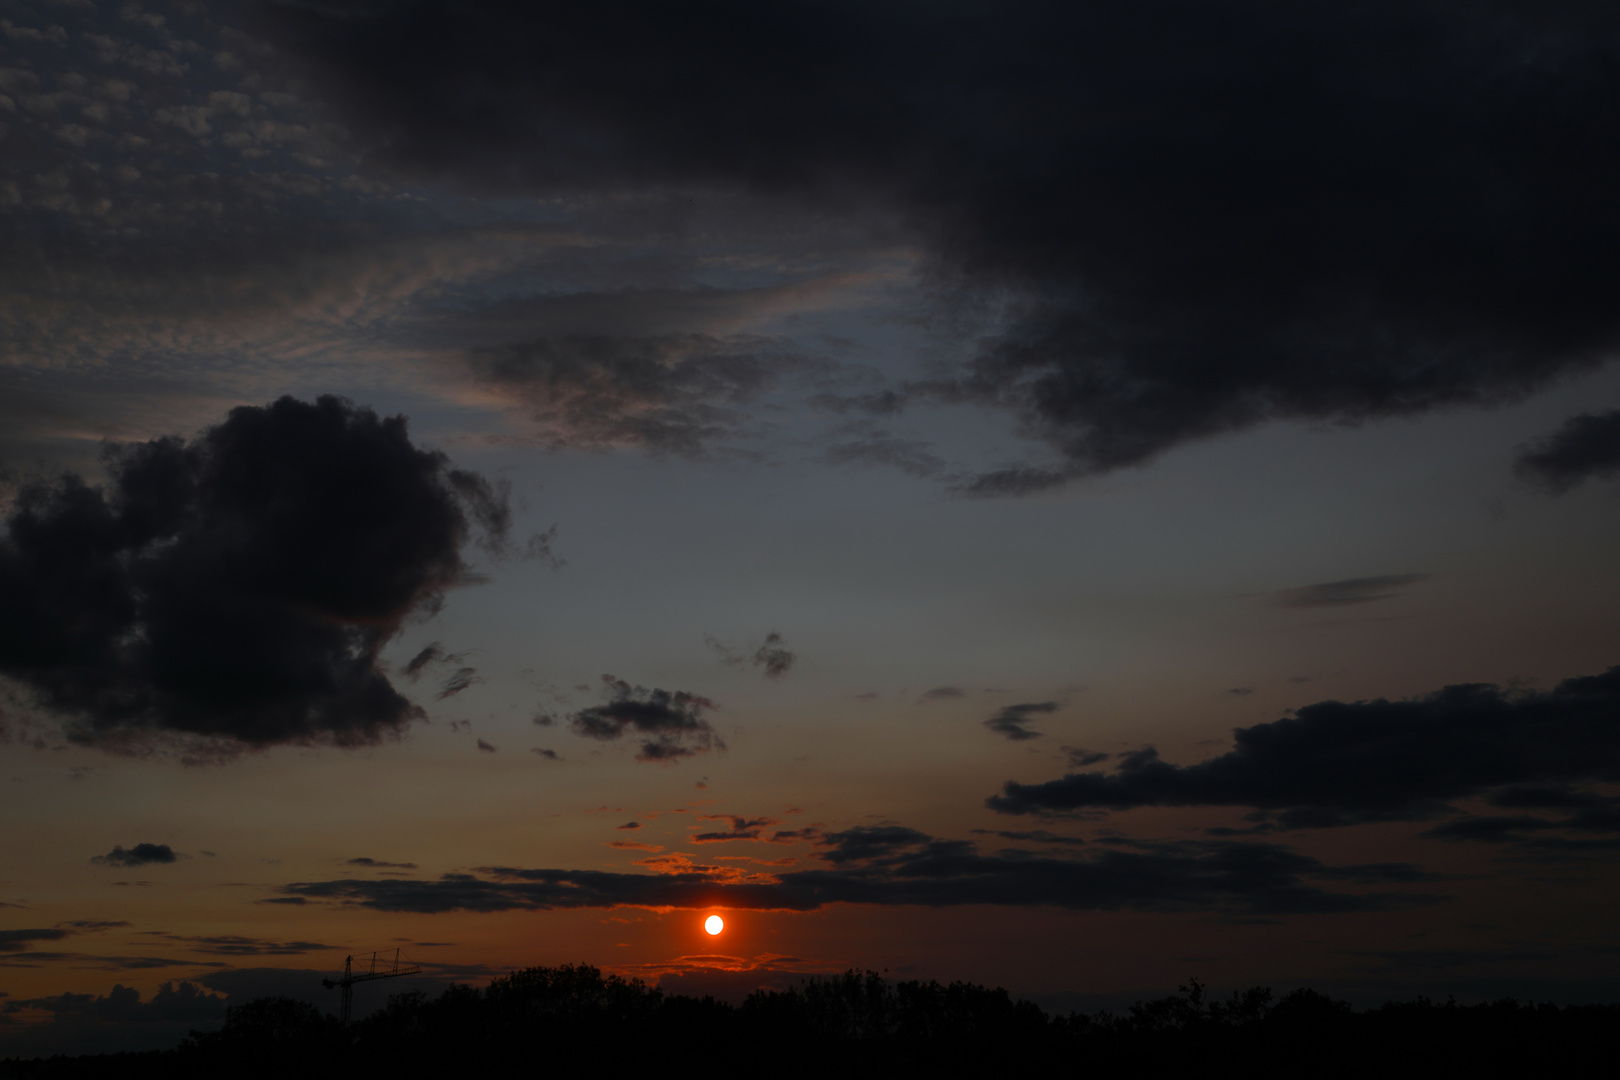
x=573, y=1021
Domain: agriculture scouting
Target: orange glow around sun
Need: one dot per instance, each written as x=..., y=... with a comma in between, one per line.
x=713, y=925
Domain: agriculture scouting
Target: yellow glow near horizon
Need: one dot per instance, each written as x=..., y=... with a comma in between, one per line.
x=713, y=925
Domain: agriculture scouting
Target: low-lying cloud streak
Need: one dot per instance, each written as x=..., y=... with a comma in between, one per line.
x=894, y=865
x=1336, y=763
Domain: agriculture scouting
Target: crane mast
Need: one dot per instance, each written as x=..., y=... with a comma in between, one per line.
x=378, y=966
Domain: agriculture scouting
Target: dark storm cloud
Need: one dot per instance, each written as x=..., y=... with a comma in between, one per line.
x=1347, y=592
x=1583, y=446
x=1337, y=763
x=236, y=588
x=139, y=855
x=1192, y=215
x=672, y=394
x=774, y=657
x=898, y=866
x=1011, y=720
x=671, y=722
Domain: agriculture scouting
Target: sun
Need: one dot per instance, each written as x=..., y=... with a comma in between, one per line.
x=713, y=925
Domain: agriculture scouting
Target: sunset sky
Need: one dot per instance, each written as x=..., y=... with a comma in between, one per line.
x=1065, y=496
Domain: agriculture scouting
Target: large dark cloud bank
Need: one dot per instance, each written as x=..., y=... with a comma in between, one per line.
x=236, y=588
x=1194, y=215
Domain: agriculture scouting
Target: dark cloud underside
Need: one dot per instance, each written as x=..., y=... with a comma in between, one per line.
x=1192, y=215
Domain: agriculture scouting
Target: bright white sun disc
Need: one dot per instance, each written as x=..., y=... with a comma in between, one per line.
x=714, y=924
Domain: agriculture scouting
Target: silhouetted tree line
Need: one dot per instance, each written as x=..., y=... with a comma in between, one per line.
x=575, y=1022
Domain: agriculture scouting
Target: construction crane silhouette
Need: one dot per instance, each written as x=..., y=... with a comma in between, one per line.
x=378, y=967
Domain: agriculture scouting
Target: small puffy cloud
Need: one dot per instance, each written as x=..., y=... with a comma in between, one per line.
x=139, y=855
x=1011, y=720
x=670, y=724
x=1584, y=446
x=774, y=657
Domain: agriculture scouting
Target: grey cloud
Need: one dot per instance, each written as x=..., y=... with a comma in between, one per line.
x=139, y=855
x=1350, y=591
x=1011, y=720
x=456, y=682
x=869, y=446
x=185, y=1001
x=1203, y=217
x=429, y=654
x=943, y=693
x=1583, y=446
x=774, y=657
x=1336, y=763
x=235, y=590
x=719, y=648
x=671, y=723
x=380, y=864
x=742, y=828
x=12, y=941
x=1035, y=836
x=236, y=945
x=897, y=866
x=877, y=403
x=671, y=394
